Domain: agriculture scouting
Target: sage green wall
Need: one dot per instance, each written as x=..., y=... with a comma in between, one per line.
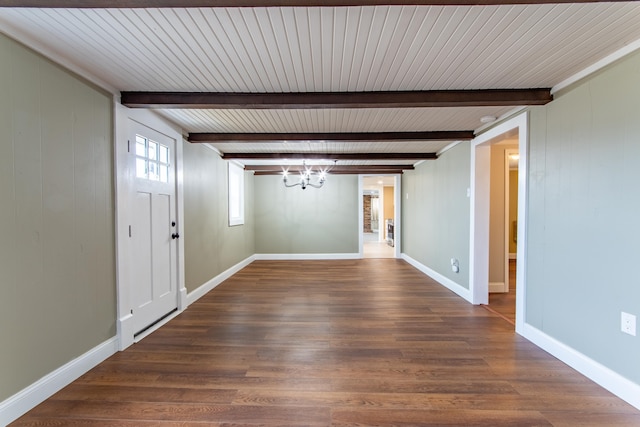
x=296, y=221
x=435, y=216
x=584, y=205
x=57, y=289
x=211, y=246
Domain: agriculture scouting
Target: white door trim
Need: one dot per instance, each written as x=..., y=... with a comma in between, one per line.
x=124, y=184
x=479, y=227
x=397, y=211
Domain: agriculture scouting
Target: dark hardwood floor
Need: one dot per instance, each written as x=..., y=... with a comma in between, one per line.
x=333, y=343
x=504, y=304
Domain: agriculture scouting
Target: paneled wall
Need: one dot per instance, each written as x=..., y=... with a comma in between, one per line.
x=310, y=221
x=435, y=213
x=57, y=268
x=584, y=205
x=211, y=246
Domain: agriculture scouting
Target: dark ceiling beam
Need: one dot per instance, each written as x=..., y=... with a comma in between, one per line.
x=329, y=156
x=86, y=4
x=333, y=136
x=330, y=169
x=355, y=170
x=313, y=100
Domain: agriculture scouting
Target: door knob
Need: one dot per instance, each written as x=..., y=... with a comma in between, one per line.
x=175, y=235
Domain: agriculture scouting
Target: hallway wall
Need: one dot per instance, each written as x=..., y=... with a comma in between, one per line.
x=212, y=246
x=583, y=229
x=435, y=213
x=57, y=254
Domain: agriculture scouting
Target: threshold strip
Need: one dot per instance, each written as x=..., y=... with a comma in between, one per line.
x=498, y=314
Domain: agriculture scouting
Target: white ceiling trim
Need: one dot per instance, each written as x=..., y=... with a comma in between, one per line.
x=45, y=50
x=592, y=69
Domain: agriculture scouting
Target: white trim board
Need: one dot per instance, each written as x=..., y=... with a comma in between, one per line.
x=479, y=214
x=28, y=398
x=203, y=289
x=292, y=257
x=443, y=280
x=123, y=188
x=397, y=212
x=496, y=287
x=594, y=68
x=617, y=384
x=20, y=36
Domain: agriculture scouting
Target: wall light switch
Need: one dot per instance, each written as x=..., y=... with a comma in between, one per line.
x=628, y=323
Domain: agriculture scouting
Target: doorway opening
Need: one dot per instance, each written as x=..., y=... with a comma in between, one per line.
x=379, y=216
x=498, y=208
x=503, y=225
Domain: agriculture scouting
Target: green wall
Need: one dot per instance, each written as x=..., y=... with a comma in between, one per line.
x=57, y=290
x=211, y=246
x=310, y=221
x=435, y=215
x=584, y=205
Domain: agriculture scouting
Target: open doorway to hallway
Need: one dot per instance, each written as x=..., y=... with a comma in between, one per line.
x=378, y=217
x=503, y=219
x=498, y=246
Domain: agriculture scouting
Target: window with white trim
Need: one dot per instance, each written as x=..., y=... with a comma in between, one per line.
x=152, y=160
x=236, y=194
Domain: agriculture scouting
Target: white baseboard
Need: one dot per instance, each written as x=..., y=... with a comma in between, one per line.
x=286, y=257
x=617, y=384
x=125, y=331
x=444, y=281
x=26, y=399
x=202, y=290
x=496, y=287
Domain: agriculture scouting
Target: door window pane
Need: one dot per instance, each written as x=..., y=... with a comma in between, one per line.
x=141, y=168
x=152, y=160
x=164, y=154
x=141, y=146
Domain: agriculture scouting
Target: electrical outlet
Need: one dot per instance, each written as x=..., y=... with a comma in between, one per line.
x=628, y=323
x=455, y=265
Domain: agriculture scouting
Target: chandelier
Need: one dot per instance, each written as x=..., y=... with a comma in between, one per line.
x=306, y=176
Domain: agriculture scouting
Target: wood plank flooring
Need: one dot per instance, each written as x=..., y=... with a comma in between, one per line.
x=333, y=343
x=504, y=304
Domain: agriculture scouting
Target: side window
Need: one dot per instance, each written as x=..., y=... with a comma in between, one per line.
x=236, y=194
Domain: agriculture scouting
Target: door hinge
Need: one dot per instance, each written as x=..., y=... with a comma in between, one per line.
x=129, y=231
x=128, y=146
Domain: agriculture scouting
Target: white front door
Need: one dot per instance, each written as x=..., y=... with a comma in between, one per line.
x=154, y=229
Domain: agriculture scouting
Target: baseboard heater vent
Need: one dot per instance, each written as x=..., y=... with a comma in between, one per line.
x=145, y=329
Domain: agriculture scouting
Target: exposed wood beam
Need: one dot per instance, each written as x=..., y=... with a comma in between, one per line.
x=333, y=136
x=355, y=170
x=86, y=4
x=329, y=156
x=330, y=169
x=313, y=100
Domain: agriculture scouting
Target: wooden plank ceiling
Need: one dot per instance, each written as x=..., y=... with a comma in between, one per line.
x=378, y=85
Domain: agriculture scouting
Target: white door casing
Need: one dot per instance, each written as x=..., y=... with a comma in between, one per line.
x=397, y=212
x=127, y=206
x=154, y=229
x=479, y=235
